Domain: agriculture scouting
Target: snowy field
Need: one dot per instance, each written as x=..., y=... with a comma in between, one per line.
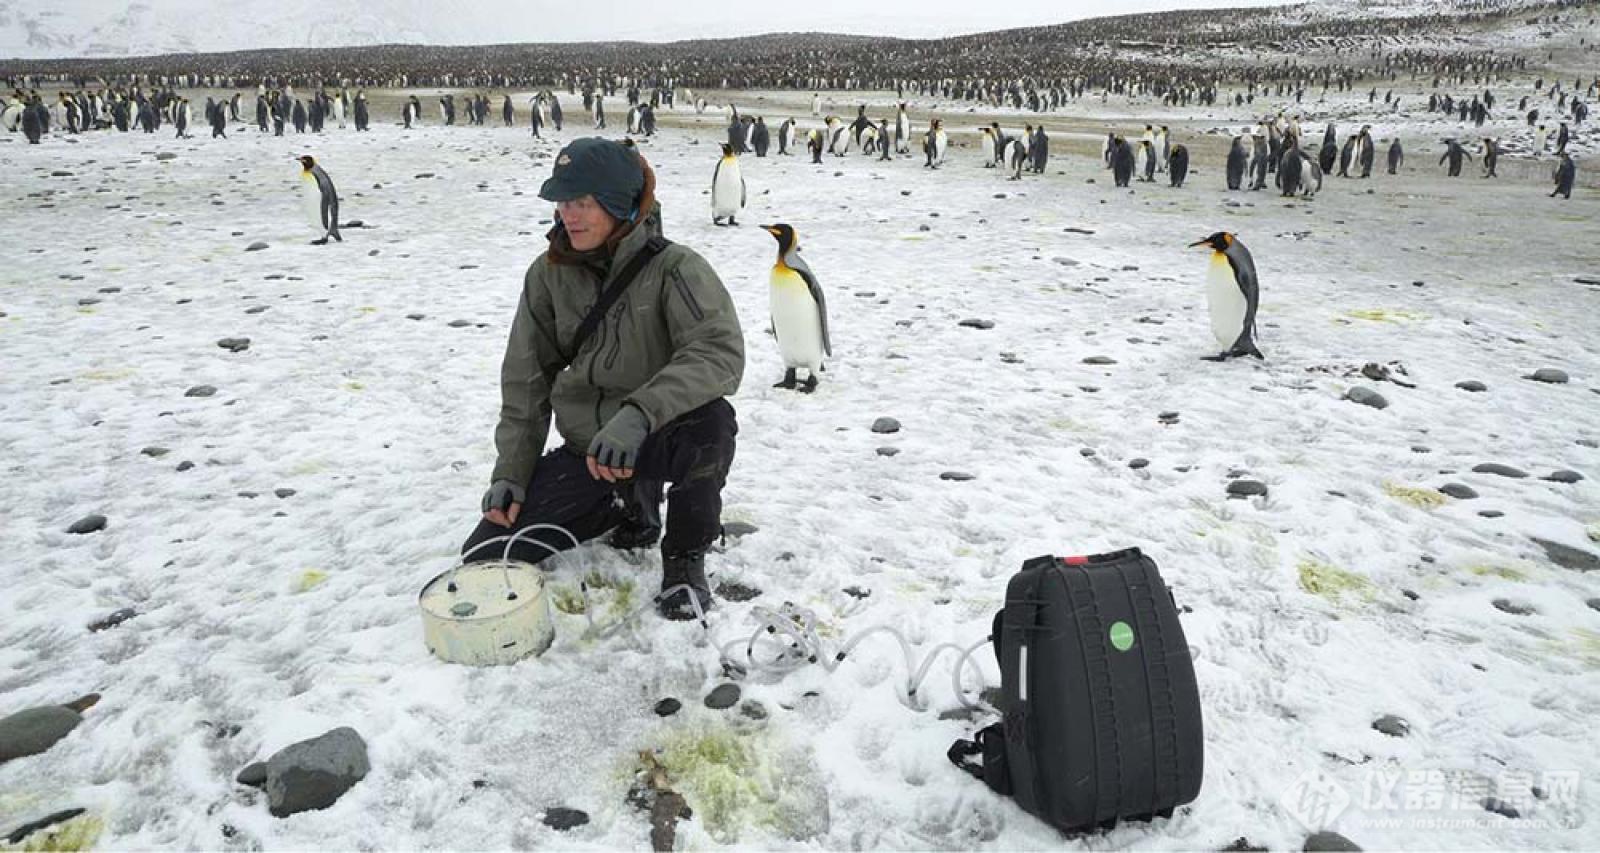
x=273, y=537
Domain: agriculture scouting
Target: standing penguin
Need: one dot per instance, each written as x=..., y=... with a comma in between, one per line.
x=934, y=144
x=1016, y=156
x=1455, y=154
x=1365, y=151
x=1397, y=155
x=1346, y=154
x=1328, y=156
x=1540, y=137
x=322, y=200
x=1178, y=165
x=1566, y=172
x=219, y=121
x=815, y=144
x=1121, y=162
x=1147, y=154
x=727, y=188
x=1258, y=162
x=180, y=118
x=32, y=125
x=555, y=111
x=1289, y=170
x=1232, y=294
x=362, y=116
x=785, y=136
x=986, y=150
x=1163, y=149
x=799, y=312
x=902, y=131
x=1491, y=157
x=1039, y=150
x=1236, y=162
x=760, y=138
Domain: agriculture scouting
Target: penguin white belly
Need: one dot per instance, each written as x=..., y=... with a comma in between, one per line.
x=311, y=202
x=940, y=142
x=1225, y=300
x=796, y=321
x=987, y=149
x=727, y=191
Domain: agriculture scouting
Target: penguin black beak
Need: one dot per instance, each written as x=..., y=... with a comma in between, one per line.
x=1205, y=242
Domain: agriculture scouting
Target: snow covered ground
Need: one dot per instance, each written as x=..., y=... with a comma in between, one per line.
x=1350, y=591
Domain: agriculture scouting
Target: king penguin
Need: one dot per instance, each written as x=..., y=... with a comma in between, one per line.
x=799, y=312
x=727, y=188
x=321, y=199
x=986, y=147
x=1232, y=294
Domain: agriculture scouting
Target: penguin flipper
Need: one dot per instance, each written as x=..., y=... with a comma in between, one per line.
x=815, y=288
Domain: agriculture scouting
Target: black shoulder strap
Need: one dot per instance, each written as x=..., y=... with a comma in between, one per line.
x=652, y=247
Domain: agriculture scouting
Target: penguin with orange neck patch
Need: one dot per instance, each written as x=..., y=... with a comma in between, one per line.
x=799, y=312
x=321, y=199
x=1232, y=294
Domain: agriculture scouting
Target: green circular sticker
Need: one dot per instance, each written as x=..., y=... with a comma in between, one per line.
x=1121, y=636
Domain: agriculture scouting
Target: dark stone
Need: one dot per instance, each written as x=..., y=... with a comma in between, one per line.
x=416, y=316
x=459, y=324
x=1138, y=463
x=1242, y=845
x=857, y=592
x=562, y=819
x=88, y=300
x=1329, y=841
x=260, y=308
x=1409, y=594
x=975, y=323
x=284, y=493
x=885, y=426
x=1563, y=477
x=722, y=696
x=736, y=592
x=234, y=344
x=753, y=710
x=956, y=476
x=667, y=707
x=1472, y=385
x=255, y=247
x=200, y=391
x=1490, y=513
x=1500, y=807
x=313, y=774
x=1366, y=397
x=1099, y=359
x=1458, y=491
x=1506, y=605
x=1501, y=470
x=34, y=730
x=1247, y=488
x=888, y=451
x=1392, y=726
x=254, y=775
x=166, y=155
x=1552, y=375
x=17, y=835
x=1168, y=417
x=155, y=452
x=1594, y=604
x=736, y=529
x=116, y=618
x=1567, y=556
x=88, y=524
x=185, y=465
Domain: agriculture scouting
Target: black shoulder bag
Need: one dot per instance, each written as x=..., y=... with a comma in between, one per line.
x=591, y=321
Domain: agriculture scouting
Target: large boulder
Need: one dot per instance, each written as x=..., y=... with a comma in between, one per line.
x=313, y=774
x=34, y=730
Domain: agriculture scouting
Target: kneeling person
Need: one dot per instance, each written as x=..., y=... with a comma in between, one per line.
x=638, y=395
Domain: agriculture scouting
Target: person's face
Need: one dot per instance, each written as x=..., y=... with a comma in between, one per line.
x=588, y=224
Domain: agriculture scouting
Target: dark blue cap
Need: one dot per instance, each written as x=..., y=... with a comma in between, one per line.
x=609, y=171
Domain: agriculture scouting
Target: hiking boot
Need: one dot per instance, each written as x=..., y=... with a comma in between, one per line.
x=680, y=571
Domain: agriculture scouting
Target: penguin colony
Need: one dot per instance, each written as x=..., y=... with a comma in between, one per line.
x=1276, y=146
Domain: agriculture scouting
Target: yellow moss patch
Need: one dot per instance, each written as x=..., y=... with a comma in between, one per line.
x=567, y=599
x=1331, y=582
x=106, y=375
x=1383, y=315
x=1419, y=498
x=367, y=309
x=310, y=466
x=1580, y=644
x=723, y=777
x=1502, y=572
x=310, y=579
x=80, y=833
x=1594, y=532
x=354, y=386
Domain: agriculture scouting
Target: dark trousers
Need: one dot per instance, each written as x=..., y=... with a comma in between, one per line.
x=693, y=453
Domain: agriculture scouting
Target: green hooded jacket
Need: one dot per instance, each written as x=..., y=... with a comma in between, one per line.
x=670, y=344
